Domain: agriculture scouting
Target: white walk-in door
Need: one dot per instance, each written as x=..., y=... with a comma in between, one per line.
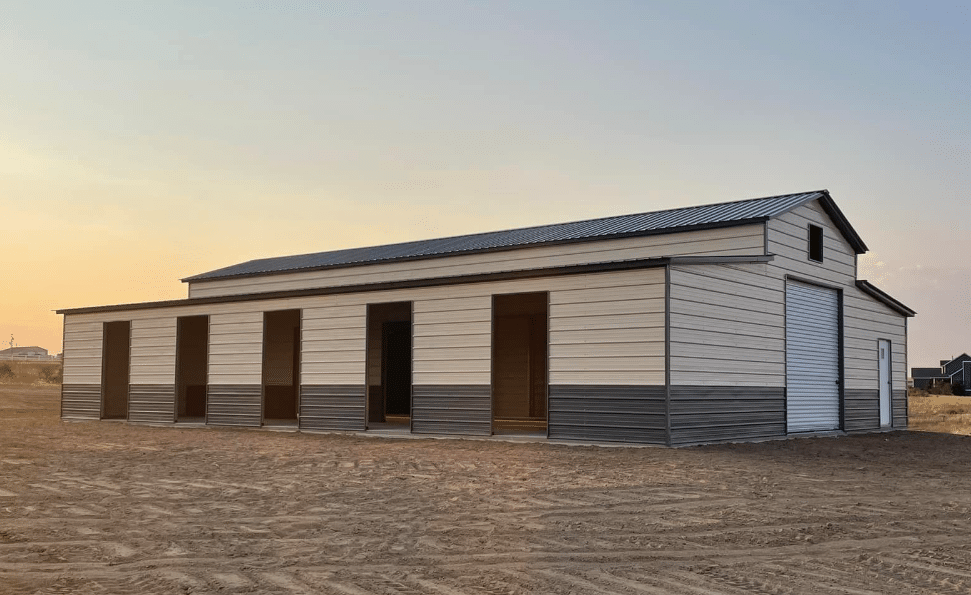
x=884, y=347
x=812, y=358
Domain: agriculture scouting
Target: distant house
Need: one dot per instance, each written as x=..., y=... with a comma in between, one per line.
x=32, y=352
x=954, y=371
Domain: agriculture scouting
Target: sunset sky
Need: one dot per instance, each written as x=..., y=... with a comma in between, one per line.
x=145, y=142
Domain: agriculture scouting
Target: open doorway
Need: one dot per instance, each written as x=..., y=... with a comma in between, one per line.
x=116, y=365
x=519, y=362
x=192, y=360
x=389, y=366
x=281, y=367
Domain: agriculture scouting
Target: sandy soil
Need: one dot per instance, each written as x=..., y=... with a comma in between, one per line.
x=104, y=507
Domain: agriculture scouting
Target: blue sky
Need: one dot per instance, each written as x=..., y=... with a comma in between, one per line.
x=143, y=143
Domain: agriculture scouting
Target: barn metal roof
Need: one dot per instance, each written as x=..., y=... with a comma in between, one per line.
x=657, y=222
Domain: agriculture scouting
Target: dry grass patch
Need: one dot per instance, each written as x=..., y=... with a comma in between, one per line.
x=14, y=372
x=939, y=413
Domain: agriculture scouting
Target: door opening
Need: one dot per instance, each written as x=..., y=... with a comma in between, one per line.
x=191, y=366
x=115, y=370
x=884, y=347
x=281, y=367
x=520, y=362
x=389, y=340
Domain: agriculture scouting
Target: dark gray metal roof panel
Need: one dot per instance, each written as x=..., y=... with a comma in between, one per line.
x=668, y=221
x=925, y=373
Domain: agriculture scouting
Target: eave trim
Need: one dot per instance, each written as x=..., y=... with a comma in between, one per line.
x=879, y=295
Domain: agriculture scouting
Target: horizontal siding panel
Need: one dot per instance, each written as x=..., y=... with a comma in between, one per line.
x=435, y=342
x=429, y=306
x=773, y=330
x=237, y=339
x=453, y=378
x=81, y=401
x=358, y=333
x=613, y=364
x=453, y=353
x=689, y=309
x=332, y=407
x=151, y=403
x=452, y=409
x=230, y=378
x=224, y=361
x=610, y=294
x=603, y=308
x=731, y=240
x=898, y=402
x=588, y=351
x=600, y=336
x=702, y=413
x=355, y=366
x=721, y=337
x=592, y=321
x=688, y=364
x=73, y=325
x=620, y=413
x=861, y=409
x=423, y=329
x=734, y=302
x=608, y=377
x=234, y=405
x=236, y=348
x=742, y=356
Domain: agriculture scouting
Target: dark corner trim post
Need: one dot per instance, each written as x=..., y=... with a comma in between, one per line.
x=667, y=355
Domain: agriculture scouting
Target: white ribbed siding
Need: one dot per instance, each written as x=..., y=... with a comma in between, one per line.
x=334, y=339
x=727, y=326
x=741, y=240
x=608, y=330
x=236, y=346
x=153, y=350
x=83, y=343
x=453, y=341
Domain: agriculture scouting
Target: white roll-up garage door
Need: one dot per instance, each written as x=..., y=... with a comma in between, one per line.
x=812, y=358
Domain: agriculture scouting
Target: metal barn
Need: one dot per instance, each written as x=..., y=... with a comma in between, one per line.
x=733, y=321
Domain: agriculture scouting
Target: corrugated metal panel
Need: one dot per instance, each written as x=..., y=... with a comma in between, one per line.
x=812, y=358
x=331, y=407
x=81, y=401
x=861, y=409
x=643, y=223
x=151, y=403
x=83, y=342
x=452, y=409
x=234, y=405
x=900, y=409
x=718, y=413
x=608, y=412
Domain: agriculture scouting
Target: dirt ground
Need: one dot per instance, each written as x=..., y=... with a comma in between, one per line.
x=105, y=507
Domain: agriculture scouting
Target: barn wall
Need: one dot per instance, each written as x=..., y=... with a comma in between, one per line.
x=606, y=359
x=81, y=388
x=741, y=240
x=332, y=365
x=152, y=392
x=235, y=392
x=864, y=318
x=865, y=321
x=728, y=372
x=606, y=333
